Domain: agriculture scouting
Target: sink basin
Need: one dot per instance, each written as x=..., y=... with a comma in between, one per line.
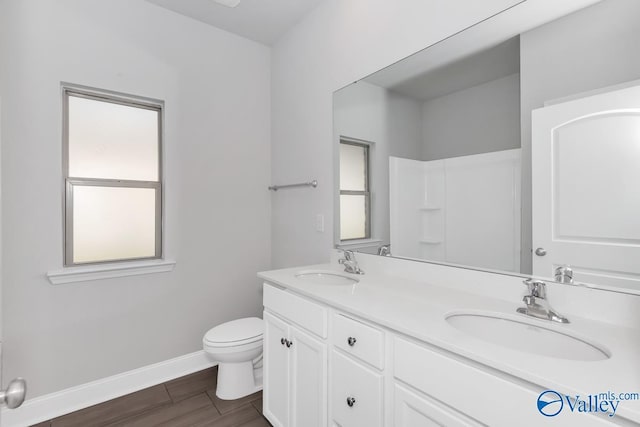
x=526, y=337
x=320, y=277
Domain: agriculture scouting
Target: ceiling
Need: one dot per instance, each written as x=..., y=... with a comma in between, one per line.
x=490, y=64
x=263, y=21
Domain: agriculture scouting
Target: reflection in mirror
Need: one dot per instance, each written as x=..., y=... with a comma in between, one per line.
x=449, y=162
x=354, y=190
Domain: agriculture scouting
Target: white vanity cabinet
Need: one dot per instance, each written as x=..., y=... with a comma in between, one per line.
x=455, y=392
x=295, y=361
x=325, y=367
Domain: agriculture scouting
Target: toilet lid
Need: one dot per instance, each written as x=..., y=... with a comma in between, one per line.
x=236, y=330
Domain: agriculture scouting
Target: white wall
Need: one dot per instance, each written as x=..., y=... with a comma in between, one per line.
x=405, y=127
x=338, y=43
x=217, y=92
x=587, y=50
x=391, y=123
x=475, y=120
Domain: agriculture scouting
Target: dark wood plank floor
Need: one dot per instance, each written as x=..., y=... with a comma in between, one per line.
x=184, y=402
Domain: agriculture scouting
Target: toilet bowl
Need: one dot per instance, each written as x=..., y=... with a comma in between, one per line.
x=237, y=347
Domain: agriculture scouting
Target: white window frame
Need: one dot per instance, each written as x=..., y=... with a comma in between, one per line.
x=367, y=190
x=70, y=182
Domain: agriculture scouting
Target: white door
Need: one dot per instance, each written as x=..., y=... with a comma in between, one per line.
x=14, y=394
x=308, y=380
x=276, y=371
x=586, y=188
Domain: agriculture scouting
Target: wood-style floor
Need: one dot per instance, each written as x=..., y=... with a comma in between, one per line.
x=184, y=402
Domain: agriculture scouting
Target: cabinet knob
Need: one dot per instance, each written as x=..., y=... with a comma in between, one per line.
x=289, y=343
x=541, y=251
x=351, y=401
x=351, y=341
x=283, y=341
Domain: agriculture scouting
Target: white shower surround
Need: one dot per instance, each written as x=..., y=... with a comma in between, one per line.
x=463, y=210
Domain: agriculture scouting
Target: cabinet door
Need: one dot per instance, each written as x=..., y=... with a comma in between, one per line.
x=356, y=393
x=276, y=371
x=308, y=380
x=413, y=410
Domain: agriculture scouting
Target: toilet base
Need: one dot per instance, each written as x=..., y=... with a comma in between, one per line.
x=236, y=380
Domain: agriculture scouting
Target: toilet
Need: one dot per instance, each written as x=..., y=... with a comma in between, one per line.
x=237, y=347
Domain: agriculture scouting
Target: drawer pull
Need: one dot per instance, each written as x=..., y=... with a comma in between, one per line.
x=283, y=341
x=351, y=341
x=351, y=401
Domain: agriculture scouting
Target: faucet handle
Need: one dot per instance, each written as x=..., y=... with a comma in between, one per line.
x=564, y=274
x=348, y=255
x=384, y=250
x=537, y=288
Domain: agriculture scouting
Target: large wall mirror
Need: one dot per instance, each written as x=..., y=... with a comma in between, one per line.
x=512, y=146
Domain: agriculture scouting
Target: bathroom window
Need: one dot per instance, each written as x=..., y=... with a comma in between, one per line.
x=113, y=177
x=355, y=203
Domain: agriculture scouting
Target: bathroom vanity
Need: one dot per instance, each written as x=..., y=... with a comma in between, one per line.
x=418, y=344
x=501, y=153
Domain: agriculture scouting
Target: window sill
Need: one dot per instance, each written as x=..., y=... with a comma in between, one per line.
x=360, y=243
x=108, y=271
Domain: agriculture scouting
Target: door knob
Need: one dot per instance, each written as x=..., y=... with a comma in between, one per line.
x=14, y=395
x=541, y=251
x=283, y=341
x=351, y=341
x=351, y=401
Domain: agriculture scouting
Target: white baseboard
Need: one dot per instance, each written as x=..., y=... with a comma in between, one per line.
x=53, y=405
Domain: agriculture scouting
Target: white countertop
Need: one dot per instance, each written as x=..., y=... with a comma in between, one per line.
x=418, y=309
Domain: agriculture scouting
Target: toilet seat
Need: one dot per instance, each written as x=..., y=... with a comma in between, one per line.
x=235, y=333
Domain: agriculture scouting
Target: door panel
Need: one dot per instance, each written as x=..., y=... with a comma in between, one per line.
x=600, y=154
x=414, y=410
x=308, y=380
x=586, y=204
x=276, y=371
x=356, y=393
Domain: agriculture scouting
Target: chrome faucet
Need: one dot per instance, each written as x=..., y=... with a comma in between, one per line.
x=536, y=303
x=350, y=263
x=384, y=250
x=564, y=274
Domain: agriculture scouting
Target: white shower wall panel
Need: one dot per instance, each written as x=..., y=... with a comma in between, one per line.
x=483, y=210
x=463, y=210
x=406, y=195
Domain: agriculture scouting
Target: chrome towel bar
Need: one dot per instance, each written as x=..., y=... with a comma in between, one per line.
x=313, y=184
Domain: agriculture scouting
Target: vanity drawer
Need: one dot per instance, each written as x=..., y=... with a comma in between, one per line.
x=356, y=393
x=489, y=398
x=362, y=341
x=413, y=409
x=305, y=313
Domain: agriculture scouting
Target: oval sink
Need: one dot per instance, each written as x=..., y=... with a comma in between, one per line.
x=319, y=277
x=525, y=337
